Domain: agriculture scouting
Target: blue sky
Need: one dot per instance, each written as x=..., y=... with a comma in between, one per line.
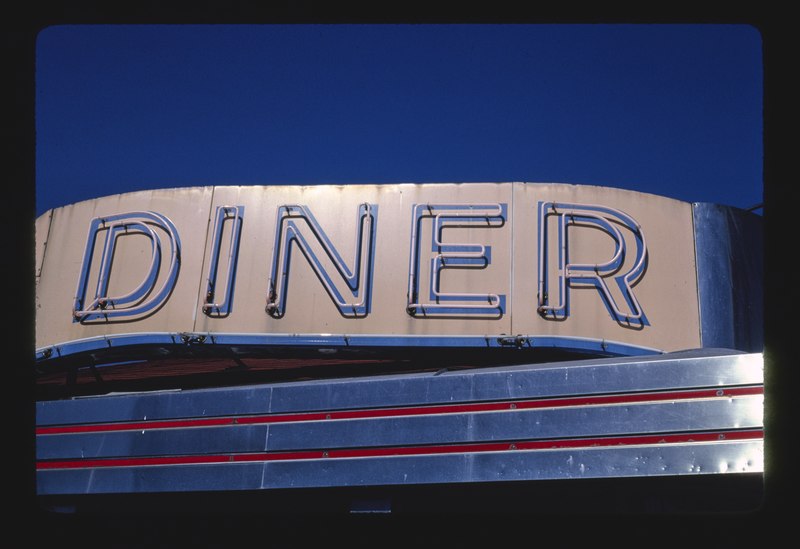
x=674, y=110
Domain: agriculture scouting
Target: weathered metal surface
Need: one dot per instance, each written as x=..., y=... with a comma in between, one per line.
x=666, y=291
x=64, y=259
x=678, y=414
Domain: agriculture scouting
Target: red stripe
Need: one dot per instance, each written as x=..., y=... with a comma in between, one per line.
x=404, y=411
x=406, y=450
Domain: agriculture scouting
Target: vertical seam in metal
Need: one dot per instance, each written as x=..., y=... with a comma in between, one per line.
x=266, y=463
x=199, y=291
x=512, y=221
x=693, y=206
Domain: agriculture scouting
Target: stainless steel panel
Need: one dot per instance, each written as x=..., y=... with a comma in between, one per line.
x=735, y=413
x=153, y=479
x=155, y=405
x=730, y=277
x=522, y=465
x=508, y=425
x=660, y=460
x=153, y=442
x=707, y=368
x=704, y=368
x=563, y=378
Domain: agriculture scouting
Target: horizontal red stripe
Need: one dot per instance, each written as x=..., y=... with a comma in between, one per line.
x=374, y=413
x=406, y=450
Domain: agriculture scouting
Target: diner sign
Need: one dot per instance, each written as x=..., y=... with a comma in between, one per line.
x=512, y=263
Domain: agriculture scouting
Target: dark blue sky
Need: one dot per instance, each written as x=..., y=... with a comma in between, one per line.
x=674, y=110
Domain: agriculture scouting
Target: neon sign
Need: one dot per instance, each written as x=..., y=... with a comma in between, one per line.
x=349, y=286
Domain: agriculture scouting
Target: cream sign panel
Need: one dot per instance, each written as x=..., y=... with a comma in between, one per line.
x=549, y=261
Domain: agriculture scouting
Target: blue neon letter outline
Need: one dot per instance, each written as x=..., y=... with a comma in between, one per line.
x=604, y=218
x=449, y=256
x=289, y=233
x=132, y=304
x=223, y=308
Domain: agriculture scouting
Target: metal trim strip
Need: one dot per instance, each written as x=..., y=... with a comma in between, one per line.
x=461, y=408
x=349, y=453
x=684, y=459
x=674, y=371
x=158, y=339
x=538, y=424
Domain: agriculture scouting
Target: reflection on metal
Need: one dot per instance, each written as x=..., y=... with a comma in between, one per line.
x=496, y=463
x=691, y=413
x=730, y=276
x=224, y=213
x=593, y=274
x=472, y=266
x=452, y=256
x=289, y=233
x=133, y=304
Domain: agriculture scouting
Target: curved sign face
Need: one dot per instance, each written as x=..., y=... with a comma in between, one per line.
x=489, y=264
